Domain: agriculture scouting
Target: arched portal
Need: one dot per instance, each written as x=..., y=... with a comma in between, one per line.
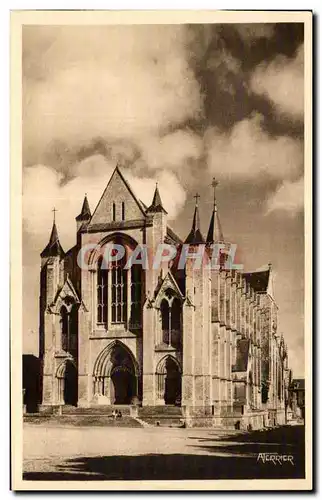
x=67, y=383
x=116, y=374
x=169, y=381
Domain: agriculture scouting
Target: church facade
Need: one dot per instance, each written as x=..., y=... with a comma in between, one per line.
x=204, y=339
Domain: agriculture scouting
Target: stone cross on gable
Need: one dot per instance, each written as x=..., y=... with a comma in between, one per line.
x=54, y=210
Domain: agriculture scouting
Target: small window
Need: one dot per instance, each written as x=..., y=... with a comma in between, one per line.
x=123, y=210
x=113, y=212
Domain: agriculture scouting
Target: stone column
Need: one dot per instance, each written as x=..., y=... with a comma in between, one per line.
x=149, y=322
x=216, y=355
x=188, y=389
x=49, y=375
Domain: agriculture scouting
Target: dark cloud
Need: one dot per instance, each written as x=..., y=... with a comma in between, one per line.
x=224, y=57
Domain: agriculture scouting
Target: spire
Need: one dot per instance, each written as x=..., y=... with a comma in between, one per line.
x=215, y=234
x=195, y=237
x=85, y=212
x=156, y=205
x=54, y=248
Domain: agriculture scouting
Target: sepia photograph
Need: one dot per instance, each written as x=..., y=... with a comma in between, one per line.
x=161, y=250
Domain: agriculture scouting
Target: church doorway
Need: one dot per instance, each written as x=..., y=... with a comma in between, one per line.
x=169, y=381
x=70, y=385
x=70, y=389
x=123, y=385
x=67, y=383
x=172, y=392
x=116, y=375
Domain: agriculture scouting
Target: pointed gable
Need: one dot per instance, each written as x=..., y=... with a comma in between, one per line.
x=167, y=282
x=67, y=296
x=67, y=290
x=118, y=202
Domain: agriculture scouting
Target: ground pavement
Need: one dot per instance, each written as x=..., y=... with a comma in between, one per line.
x=98, y=453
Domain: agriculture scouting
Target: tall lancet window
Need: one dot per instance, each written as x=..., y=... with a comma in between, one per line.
x=64, y=329
x=102, y=292
x=171, y=320
x=119, y=291
x=165, y=320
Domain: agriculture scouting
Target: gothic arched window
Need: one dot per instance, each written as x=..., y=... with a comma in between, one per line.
x=64, y=329
x=165, y=317
x=119, y=291
x=171, y=313
x=102, y=292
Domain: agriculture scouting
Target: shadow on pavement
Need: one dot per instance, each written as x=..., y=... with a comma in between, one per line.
x=232, y=457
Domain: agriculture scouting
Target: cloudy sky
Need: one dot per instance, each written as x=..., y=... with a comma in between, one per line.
x=178, y=104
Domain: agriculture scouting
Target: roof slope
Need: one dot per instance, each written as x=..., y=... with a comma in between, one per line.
x=258, y=280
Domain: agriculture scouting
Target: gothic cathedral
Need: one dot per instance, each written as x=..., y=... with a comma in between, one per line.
x=202, y=339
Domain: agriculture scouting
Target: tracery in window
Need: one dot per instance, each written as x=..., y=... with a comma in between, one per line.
x=102, y=292
x=171, y=319
x=119, y=291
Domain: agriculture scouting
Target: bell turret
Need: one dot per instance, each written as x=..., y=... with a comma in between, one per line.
x=54, y=248
x=195, y=237
x=85, y=214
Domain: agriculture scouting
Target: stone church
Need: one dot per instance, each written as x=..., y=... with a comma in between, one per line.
x=204, y=340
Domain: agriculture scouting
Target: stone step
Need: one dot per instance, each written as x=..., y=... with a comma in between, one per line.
x=81, y=420
x=163, y=416
x=163, y=421
x=150, y=411
x=95, y=410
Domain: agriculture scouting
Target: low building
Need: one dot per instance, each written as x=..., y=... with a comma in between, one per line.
x=298, y=397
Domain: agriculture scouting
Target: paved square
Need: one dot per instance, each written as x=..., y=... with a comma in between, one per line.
x=98, y=453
